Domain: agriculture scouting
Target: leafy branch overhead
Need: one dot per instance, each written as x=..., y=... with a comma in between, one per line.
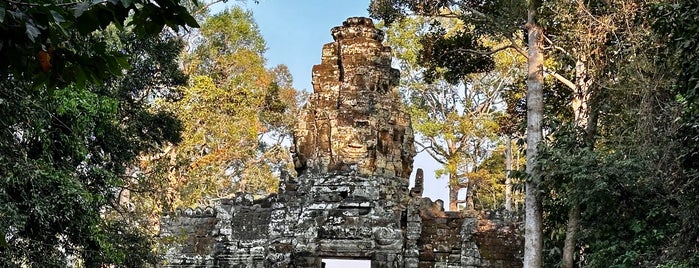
x=453, y=54
x=457, y=55
x=40, y=38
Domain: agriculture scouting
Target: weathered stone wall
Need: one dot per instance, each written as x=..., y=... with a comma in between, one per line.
x=190, y=236
x=470, y=241
x=338, y=216
x=499, y=240
x=354, y=154
x=233, y=233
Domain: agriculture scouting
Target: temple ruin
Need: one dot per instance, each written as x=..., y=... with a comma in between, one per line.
x=353, y=152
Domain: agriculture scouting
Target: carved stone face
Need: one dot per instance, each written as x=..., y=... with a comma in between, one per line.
x=353, y=149
x=353, y=121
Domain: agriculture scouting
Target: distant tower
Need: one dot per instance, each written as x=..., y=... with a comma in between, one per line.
x=354, y=121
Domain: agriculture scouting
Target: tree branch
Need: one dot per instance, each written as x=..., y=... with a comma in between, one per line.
x=559, y=77
x=432, y=151
x=20, y=3
x=484, y=53
x=206, y=7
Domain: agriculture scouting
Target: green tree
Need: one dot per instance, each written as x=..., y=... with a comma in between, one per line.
x=65, y=146
x=676, y=20
x=463, y=54
x=221, y=37
x=622, y=130
x=635, y=164
x=455, y=116
x=236, y=115
x=71, y=124
x=44, y=40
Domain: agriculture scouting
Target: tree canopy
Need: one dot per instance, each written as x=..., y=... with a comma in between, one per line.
x=618, y=80
x=73, y=120
x=236, y=116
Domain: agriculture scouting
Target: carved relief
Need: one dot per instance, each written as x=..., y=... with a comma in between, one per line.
x=353, y=122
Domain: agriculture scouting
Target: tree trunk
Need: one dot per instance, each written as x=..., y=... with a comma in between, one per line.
x=508, y=170
x=453, y=193
x=587, y=119
x=469, y=196
x=571, y=232
x=533, y=242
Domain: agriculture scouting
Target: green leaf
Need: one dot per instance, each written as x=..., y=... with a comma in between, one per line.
x=2, y=14
x=32, y=31
x=80, y=8
x=57, y=17
x=3, y=242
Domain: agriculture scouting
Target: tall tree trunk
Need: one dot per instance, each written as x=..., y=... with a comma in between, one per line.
x=533, y=242
x=587, y=120
x=571, y=232
x=508, y=172
x=453, y=193
x=469, y=196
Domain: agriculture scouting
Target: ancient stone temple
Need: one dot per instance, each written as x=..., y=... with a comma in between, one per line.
x=353, y=152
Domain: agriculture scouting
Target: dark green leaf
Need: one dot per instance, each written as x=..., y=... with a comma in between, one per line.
x=80, y=8
x=31, y=31
x=57, y=17
x=2, y=14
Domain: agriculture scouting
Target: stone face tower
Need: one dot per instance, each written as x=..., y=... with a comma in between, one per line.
x=354, y=120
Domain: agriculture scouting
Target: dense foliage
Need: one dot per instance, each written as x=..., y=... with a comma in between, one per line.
x=455, y=113
x=101, y=129
x=236, y=116
x=73, y=120
x=44, y=40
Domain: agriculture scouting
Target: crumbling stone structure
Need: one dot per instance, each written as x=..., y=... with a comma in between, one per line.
x=353, y=152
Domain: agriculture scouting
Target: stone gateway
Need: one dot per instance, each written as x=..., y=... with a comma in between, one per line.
x=353, y=152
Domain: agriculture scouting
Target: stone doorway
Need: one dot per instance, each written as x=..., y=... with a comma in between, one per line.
x=346, y=263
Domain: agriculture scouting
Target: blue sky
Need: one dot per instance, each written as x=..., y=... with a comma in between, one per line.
x=295, y=32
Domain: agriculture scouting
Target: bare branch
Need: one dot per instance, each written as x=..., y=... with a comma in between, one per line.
x=206, y=7
x=560, y=78
x=484, y=53
x=20, y=3
x=556, y=47
x=432, y=151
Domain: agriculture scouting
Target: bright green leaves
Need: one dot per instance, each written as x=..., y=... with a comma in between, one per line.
x=231, y=44
x=84, y=105
x=234, y=27
x=235, y=115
